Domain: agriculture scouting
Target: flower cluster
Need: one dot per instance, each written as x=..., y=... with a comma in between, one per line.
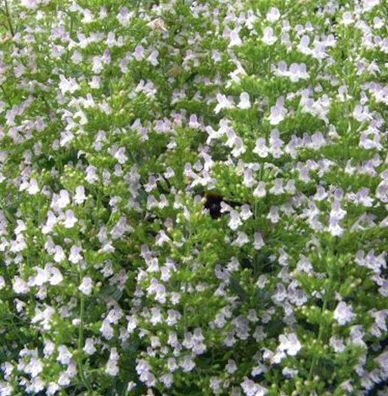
x=119, y=274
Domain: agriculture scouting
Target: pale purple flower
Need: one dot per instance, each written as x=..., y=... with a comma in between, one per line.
x=234, y=38
x=222, y=103
x=343, y=313
x=290, y=344
x=278, y=112
x=268, y=36
x=244, y=101
x=273, y=14
x=86, y=285
x=258, y=241
x=70, y=220
x=260, y=148
x=67, y=85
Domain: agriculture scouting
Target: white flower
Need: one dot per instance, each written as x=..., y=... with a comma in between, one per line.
x=161, y=238
x=55, y=276
x=120, y=156
x=231, y=367
x=187, y=363
x=337, y=344
x=250, y=388
x=50, y=222
x=42, y=276
x=369, y=4
x=33, y=187
x=258, y=241
x=34, y=367
x=107, y=330
x=347, y=18
x=248, y=178
x=86, y=285
x=278, y=112
x=120, y=228
x=89, y=347
x=156, y=316
x=20, y=286
x=246, y=212
x=138, y=54
x=343, y=313
x=63, y=199
x=235, y=220
x=31, y=4
x=268, y=36
x=59, y=254
x=241, y=240
x=235, y=39
x=273, y=15
x=67, y=85
x=43, y=317
x=298, y=72
x=75, y=256
x=132, y=324
x=70, y=219
x=261, y=149
x=79, y=196
x=131, y=385
x=290, y=344
x=222, y=103
x=244, y=101
x=2, y=283
x=303, y=45
x=259, y=191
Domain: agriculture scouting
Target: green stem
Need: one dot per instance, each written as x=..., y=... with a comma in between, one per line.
x=9, y=18
x=80, y=344
x=320, y=333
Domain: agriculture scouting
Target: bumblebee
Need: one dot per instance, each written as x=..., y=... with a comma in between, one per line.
x=213, y=203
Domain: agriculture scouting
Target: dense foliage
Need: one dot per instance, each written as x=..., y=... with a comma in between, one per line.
x=193, y=197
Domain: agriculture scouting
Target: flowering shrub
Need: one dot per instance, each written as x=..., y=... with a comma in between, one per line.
x=193, y=197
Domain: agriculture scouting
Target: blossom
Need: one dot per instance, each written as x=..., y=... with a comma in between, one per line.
x=222, y=103
x=258, y=241
x=86, y=285
x=70, y=220
x=289, y=343
x=260, y=148
x=20, y=286
x=343, y=313
x=278, y=112
x=268, y=36
x=273, y=14
x=55, y=276
x=120, y=156
x=79, y=196
x=260, y=191
x=244, y=101
x=234, y=37
x=67, y=84
x=33, y=187
x=75, y=254
x=112, y=368
x=250, y=388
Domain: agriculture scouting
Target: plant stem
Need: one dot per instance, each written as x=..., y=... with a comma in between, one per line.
x=80, y=344
x=316, y=357
x=320, y=332
x=9, y=18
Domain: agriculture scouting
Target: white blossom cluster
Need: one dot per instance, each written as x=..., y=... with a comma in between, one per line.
x=193, y=197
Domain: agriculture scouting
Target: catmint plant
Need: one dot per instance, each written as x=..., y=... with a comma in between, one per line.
x=193, y=197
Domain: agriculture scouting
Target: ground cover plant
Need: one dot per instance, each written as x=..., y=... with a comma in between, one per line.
x=193, y=197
